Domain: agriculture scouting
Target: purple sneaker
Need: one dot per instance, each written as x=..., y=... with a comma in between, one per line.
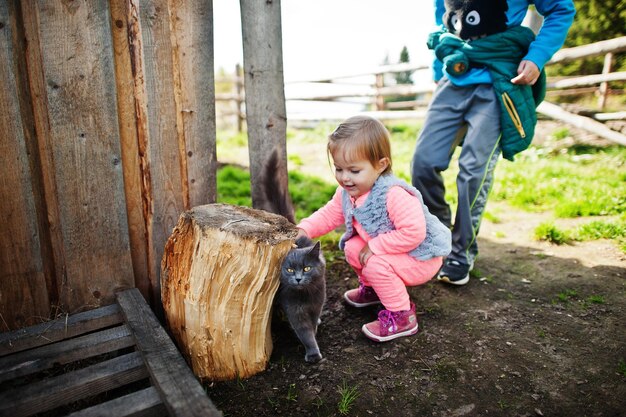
x=392, y=325
x=361, y=297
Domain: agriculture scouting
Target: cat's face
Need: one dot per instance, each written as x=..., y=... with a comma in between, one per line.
x=302, y=266
x=471, y=19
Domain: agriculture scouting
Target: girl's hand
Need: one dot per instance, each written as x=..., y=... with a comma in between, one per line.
x=301, y=233
x=364, y=255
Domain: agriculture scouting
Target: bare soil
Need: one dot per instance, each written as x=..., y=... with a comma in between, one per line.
x=539, y=330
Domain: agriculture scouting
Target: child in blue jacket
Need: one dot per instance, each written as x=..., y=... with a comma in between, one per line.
x=466, y=110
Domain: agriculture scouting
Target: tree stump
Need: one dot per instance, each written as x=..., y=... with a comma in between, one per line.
x=220, y=272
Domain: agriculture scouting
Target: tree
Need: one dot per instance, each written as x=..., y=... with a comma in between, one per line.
x=404, y=77
x=595, y=20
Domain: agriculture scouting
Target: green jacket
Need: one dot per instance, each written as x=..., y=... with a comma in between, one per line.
x=501, y=54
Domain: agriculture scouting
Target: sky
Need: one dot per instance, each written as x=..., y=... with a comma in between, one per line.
x=330, y=37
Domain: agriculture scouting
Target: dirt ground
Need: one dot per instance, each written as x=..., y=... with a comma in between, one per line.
x=538, y=331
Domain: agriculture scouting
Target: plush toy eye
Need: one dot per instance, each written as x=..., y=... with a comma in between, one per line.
x=307, y=268
x=456, y=23
x=290, y=270
x=472, y=18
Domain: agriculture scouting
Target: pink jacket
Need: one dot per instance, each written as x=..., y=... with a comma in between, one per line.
x=405, y=211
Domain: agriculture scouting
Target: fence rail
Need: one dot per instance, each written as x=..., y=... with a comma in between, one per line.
x=375, y=91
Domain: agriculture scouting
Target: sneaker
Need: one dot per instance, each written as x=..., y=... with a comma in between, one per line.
x=392, y=325
x=361, y=297
x=455, y=273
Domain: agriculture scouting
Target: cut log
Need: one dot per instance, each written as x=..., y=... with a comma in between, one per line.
x=220, y=272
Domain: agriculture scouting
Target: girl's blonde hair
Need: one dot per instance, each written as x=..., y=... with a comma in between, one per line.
x=361, y=137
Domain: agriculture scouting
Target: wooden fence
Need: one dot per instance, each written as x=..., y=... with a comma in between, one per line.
x=375, y=90
x=102, y=146
x=107, y=134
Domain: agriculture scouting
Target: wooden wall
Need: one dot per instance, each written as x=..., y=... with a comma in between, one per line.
x=107, y=133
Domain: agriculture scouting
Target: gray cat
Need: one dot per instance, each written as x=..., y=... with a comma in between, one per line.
x=302, y=291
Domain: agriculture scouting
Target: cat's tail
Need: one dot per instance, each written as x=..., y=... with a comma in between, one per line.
x=274, y=183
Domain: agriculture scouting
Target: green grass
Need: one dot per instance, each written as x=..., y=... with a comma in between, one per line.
x=595, y=299
x=567, y=184
x=567, y=295
x=549, y=232
x=583, y=181
x=614, y=229
x=621, y=367
x=307, y=193
x=348, y=396
x=233, y=186
x=292, y=393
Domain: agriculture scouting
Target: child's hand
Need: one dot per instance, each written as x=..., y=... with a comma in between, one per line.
x=528, y=73
x=364, y=255
x=301, y=233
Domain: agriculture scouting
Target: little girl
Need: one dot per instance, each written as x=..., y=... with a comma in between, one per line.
x=391, y=239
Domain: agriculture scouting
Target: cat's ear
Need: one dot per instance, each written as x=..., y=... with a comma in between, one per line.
x=315, y=250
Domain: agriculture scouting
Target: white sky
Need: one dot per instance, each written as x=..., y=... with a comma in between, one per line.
x=322, y=37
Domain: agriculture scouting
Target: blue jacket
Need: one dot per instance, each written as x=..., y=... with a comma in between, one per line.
x=373, y=216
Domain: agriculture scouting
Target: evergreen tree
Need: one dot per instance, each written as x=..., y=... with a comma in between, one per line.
x=404, y=77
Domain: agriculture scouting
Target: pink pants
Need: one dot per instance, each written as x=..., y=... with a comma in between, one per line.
x=390, y=274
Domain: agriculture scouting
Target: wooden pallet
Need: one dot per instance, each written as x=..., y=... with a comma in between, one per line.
x=122, y=349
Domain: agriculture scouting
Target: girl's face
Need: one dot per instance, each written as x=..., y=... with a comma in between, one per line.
x=357, y=177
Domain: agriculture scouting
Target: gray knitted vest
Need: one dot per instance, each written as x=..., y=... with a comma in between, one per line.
x=373, y=216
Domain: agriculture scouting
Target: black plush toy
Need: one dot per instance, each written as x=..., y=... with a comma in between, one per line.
x=472, y=19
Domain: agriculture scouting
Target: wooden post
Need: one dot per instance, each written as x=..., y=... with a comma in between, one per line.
x=266, y=115
x=239, y=97
x=380, y=100
x=604, y=86
x=220, y=272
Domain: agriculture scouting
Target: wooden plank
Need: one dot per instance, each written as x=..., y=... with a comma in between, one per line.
x=72, y=386
x=361, y=91
x=587, y=80
x=45, y=357
x=133, y=187
x=192, y=30
x=22, y=278
x=59, y=329
x=590, y=50
x=589, y=124
x=144, y=403
x=162, y=177
x=339, y=116
x=53, y=251
x=620, y=115
x=77, y=59
x=179, y=389
x=382, y=69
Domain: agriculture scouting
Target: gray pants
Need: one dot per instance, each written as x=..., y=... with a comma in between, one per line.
x=472, y=111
